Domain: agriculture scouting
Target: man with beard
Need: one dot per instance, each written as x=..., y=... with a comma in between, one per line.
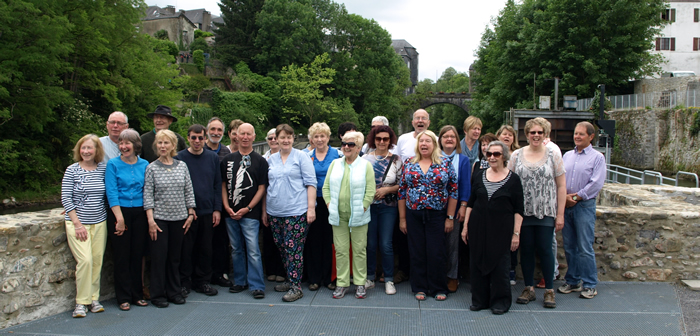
x=215, y=132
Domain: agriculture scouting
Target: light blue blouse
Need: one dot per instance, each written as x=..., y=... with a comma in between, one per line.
x=286, y=193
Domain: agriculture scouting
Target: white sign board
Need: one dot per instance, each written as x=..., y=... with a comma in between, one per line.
x=544, y=102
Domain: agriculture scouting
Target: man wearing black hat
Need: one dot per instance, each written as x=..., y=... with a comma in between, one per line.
x=162, y=118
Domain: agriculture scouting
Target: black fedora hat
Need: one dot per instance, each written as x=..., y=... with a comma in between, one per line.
x=162, y=110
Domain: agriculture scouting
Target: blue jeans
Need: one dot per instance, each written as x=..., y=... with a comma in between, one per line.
x=578, y=233
x=381, y=229
x=247, y=229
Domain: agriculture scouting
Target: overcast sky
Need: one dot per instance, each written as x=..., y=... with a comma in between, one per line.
x=444, y=32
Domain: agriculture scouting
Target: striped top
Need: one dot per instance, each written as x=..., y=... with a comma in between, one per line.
x=84, y=191
x=492, y=187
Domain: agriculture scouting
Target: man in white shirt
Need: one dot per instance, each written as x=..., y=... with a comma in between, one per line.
x=116, y=123
x=406, y=145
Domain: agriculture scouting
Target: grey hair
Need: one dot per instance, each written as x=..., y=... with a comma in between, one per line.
x=132, y=136
x=504, y=148
x=381, y=119
x=219, y=120
x=272, y=131
x=126, y=118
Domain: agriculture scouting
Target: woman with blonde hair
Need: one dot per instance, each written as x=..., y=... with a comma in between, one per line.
x=541, y=171
x=168, y=198
x=509, y=136
x=82, y=196
x=427, y=200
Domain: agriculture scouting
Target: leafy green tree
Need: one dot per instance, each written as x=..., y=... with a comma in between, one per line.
x=198, y=58
x=195, y=85
x=585, y=43
x=252, y=107
x=200, y=33
x=235, y=39
x=165, y=46
x=200, y=44
x=303, y=89
x=161, y=35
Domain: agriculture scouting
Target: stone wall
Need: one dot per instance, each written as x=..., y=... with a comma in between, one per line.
x=645, y=233
x=678, y=84
x=660, y=140
x=37, y=269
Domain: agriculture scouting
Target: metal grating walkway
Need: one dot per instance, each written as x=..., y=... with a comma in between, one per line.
x=619, y=309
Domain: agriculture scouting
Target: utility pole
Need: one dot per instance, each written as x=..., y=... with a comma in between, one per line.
x=534, y=90
x=556, y=93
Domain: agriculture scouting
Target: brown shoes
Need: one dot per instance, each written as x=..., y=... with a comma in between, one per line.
x=549, y=299
x=527, y=296
x=452, y=285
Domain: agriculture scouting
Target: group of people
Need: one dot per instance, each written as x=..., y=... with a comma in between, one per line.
x=187, y=203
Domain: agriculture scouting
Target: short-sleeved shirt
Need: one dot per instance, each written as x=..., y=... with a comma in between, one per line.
x=110, y=148
x=287, y=183
x=243, y=175
x=539, y=181
x=430, y=190
x=321, y=166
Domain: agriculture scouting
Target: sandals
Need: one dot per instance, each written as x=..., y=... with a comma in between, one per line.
x=420, y=296
x=141, y=303
x=125, y=306
x=440, y=297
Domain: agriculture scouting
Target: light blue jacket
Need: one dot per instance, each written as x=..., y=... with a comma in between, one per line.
x=358, y=186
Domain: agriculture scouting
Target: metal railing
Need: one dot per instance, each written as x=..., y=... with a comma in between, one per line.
x=620, y=174
x=653, y=100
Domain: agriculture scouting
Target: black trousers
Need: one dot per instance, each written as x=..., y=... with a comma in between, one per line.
x=318, y=250
x=426, y=240
x=221, y=255
x=166, y=251
x=271, y=254
x=127, y=252
x=492, y=289
x=195, y=266
x=401, y=250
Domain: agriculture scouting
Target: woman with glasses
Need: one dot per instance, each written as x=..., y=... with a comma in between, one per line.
x=427, y=202
x=290, y=205
x=541, y=171
x=387, y=174
x=492, y=230
x=318, y=252
x=272, y=143
x=271, y=255
x=348, y=192
x=482, y=163
x=451, y=150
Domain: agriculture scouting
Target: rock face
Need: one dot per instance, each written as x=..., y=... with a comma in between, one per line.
x=37, y=268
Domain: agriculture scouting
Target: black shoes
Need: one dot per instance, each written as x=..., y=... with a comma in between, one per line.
x=185, y=292
x=178, y=300
x=206, y=289
x=160, y=303
x=221, y=281
x=258, y=294
x=237, y=288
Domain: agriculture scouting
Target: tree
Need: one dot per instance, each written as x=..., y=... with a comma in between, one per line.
x=195, y=85
x=200, y=44
x=585, y=43
x=198, y=58
x=235, y=39
x=161, y=35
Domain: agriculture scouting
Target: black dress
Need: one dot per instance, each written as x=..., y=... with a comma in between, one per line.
x=490, y=228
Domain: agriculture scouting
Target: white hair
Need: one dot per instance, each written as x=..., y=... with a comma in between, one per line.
x=126, y=119
x=381, y=119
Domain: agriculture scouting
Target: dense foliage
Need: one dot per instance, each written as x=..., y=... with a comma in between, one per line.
x=64, y=66
x=583, y=42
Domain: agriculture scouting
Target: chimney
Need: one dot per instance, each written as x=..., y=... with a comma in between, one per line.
x=169, y=9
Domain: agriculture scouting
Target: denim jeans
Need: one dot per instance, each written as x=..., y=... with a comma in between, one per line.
x=248, y=229
x=578, y=233
x=381, y=229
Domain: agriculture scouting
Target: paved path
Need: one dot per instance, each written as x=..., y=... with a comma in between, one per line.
x=619, y=309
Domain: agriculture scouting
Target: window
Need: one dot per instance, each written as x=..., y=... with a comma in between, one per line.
x=669, y=15
x=696, y=15
x=696, y=43
x=666, y=43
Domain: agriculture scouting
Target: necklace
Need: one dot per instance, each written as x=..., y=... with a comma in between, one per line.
x=379, y=157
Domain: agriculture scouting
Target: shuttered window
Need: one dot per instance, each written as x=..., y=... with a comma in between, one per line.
x=666, y=43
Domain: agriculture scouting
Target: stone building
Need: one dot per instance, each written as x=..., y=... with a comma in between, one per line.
x=679, y=41
x=410, y=56
x=179, y=27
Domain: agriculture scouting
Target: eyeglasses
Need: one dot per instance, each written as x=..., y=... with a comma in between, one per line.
x=349, y=144
x=494, y=154
x=114, y=122
x=270, y=138
x=194, y=137
x=382, y=139
x=536, y=132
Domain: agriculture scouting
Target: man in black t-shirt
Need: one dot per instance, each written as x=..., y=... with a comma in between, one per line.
x=244, y=179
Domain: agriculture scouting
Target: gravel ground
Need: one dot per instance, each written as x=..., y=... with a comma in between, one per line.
x=690, y=306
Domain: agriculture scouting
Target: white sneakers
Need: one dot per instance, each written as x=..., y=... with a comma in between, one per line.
x=389, y=288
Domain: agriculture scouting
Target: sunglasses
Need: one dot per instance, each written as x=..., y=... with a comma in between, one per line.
x=382, y=139
x=194, y=137
x=270, y=138
x=349, y=144
x=536, y=132
x=494, y=154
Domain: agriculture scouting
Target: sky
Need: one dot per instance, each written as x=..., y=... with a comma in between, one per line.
x=446, y=33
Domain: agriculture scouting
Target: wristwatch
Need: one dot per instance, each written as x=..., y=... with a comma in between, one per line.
x=575, y=198
x=516, y=234
x=450, y=217
x=249, y=209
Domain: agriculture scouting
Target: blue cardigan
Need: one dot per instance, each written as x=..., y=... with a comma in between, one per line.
x=464, y=183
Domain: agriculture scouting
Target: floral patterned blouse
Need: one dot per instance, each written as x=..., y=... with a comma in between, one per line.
x=430, y=190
